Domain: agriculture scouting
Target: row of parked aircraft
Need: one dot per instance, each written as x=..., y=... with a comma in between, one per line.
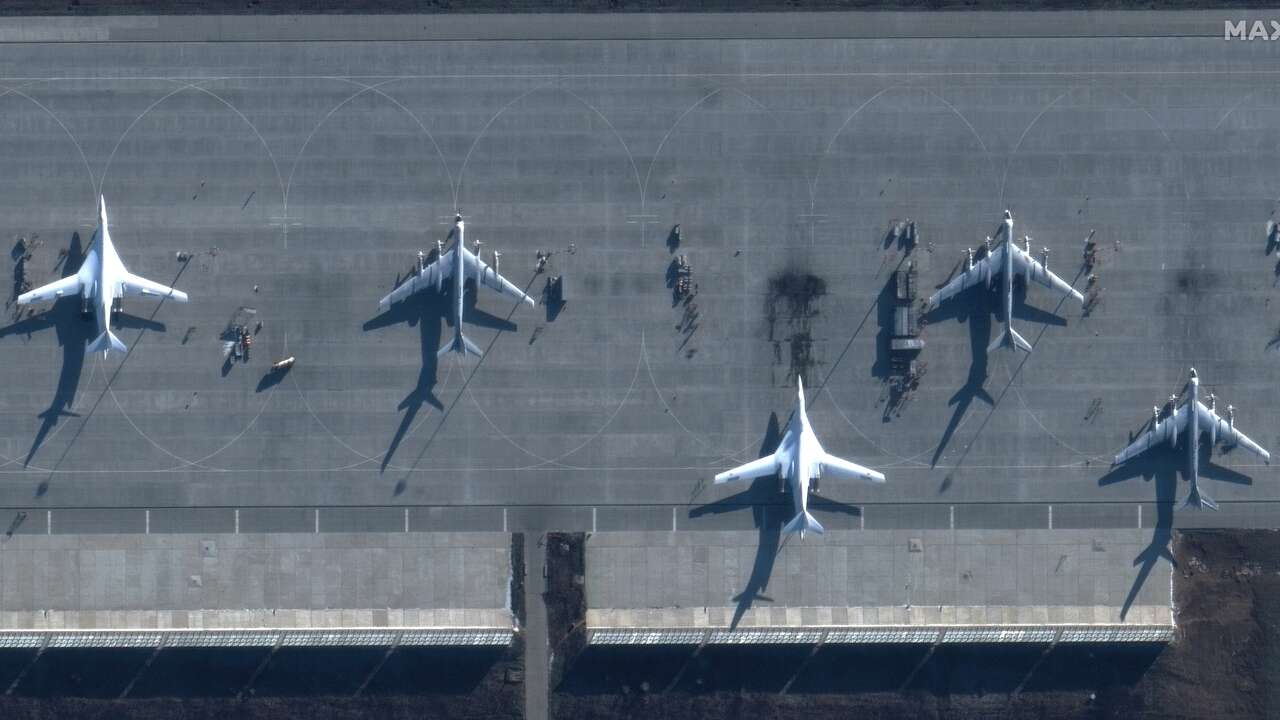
x=102, y=281
x=800, y=460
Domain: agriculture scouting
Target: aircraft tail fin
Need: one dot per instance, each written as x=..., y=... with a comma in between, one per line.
x=105, y=344
x=1198, y=500
x=1009, y=338
x=470, y=346
x=803, y=523
x=459, y=344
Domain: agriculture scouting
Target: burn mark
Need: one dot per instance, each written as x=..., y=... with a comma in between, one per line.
x=792, y=300
x=794, y=296
x=1193, y=281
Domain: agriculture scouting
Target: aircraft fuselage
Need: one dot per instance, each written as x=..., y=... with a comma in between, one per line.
x=459, y=279
x=1193, y=432
x=97, y=272
x=1008, y=271
x=804, y=467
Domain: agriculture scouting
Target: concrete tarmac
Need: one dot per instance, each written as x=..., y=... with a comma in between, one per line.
x=303, y=178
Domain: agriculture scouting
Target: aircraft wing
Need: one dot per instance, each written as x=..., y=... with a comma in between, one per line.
x=833, y=466
x=69, y=285
x=1228, y=434
x=476, y=268
x=431, y=276
x=1163, y=431
x=973, y=276
x=765, y=466
x=1027, y=265
x=136, y=285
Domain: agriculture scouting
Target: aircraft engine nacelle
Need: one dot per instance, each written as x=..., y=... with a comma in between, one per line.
x=987, y=268
x=439, y=268
x=85, y=308
x=815, y=485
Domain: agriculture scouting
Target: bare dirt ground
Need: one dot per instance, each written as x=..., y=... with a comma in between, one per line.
x=566, y=602
x=1227, y=589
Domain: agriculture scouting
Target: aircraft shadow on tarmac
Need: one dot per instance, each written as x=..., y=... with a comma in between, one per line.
x=1027, y=313
x=972, y=307
x=72, y=331
x=770, y=510
x=425, y=310
x=1164, y=465
x=472, y=315
x=979, y=307
x=272, y=378
x=133, y=322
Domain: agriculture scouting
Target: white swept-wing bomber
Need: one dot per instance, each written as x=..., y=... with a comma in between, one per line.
x=1006, y=261
x=1192, y=418
x=800, y=461
x=101, y=280
x=457, y=265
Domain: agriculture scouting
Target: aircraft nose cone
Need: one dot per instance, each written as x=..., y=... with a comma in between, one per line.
x=1008, y=215
x=1193, y=374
